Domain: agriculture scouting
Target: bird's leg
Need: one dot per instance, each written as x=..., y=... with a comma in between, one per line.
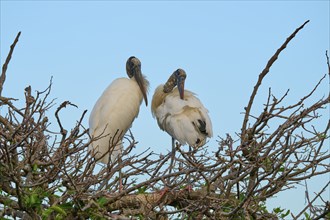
x=189, y=187
x=173, y=155
x=190, y=149
x=120, y=175
x=120, y=161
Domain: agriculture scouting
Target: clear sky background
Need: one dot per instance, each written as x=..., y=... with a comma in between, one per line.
x=222, y=46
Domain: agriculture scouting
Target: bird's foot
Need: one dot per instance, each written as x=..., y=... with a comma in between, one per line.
x=177, y=145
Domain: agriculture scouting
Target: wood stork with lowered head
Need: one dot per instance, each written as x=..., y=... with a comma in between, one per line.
x=180, y=113
x=115, y=111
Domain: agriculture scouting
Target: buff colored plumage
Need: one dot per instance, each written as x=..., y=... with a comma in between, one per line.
x=180, y=113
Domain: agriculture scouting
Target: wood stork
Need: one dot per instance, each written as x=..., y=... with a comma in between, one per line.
x=180, y=113
x=115, y=111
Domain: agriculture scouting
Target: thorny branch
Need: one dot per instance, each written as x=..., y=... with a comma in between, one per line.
x=50, y=175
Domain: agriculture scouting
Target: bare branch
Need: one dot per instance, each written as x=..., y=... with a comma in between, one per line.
x=263, y=74
x=327, y=210
x=5, y=65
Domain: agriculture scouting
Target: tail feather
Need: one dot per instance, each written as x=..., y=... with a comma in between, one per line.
x=202, y=127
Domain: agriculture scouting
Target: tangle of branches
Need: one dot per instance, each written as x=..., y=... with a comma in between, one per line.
x=50, y=174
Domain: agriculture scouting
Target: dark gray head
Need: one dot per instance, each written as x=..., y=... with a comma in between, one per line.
x=133, y=69
x=176, y=79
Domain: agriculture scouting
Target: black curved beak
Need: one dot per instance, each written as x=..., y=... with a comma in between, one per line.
x=140, y=81
x=180, y=84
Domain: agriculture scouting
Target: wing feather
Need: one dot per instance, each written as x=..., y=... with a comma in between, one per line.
x=112, y=115
x=185, y=120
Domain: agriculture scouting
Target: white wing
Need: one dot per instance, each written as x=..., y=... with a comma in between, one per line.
x=112, y=115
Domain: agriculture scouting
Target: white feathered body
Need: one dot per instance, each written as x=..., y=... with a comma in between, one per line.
x=111, y=117
x=182, y=118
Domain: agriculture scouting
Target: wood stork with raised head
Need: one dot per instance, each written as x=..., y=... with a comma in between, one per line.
x=180, y=113
x=115, y=111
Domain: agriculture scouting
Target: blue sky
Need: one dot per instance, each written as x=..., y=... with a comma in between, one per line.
x=222, y=46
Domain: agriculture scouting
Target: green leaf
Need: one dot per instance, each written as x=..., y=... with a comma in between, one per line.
x=60, y=190
x=58, y=209
x=33, y=200
x=71, y=192
x=328, y=216
x=241, y=197
x=285, y=214
x=321, y=136
x=102, y=201
x=307, y=216
x=142, y=189
x=46, y=213
x=7, y=202
x=34, y=167
x=278, y=210
x=55, y=208
x=281, y=169
x=66, y=206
